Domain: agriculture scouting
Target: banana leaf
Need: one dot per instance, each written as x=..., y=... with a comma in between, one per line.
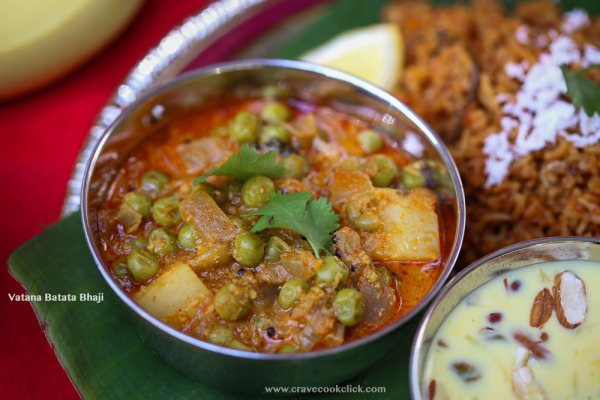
x=99, y=347
x=95, y=341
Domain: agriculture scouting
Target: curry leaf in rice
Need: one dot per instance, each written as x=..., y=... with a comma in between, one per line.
x=584, y=92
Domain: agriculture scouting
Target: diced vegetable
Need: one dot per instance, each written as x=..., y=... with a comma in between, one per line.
x=172, y=290
x=347, y=183
x=210, y=256
x=201, y=211
x=410, y=228
x=300, y=264
x=129, y=218
x=201, y=154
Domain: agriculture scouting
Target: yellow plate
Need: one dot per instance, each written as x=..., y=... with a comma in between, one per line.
x=43, y=40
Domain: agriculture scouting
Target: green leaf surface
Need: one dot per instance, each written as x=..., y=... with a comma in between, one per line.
x=98, y=345
x=584, y=92
x=343, y=15
x=246, y=163
x=313, y=219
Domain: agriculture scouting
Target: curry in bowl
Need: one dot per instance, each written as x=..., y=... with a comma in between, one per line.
x=270, y=223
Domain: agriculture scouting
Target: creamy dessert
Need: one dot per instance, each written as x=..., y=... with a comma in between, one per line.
x=532, y=333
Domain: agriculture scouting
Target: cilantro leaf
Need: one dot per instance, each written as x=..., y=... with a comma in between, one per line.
x=313, y=219
x=584, y=92
x=247, y=163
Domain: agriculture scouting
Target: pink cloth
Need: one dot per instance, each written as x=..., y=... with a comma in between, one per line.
x=42, y=134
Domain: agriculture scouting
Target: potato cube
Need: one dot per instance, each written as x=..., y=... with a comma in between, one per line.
x=410, y=230
x=171, y=291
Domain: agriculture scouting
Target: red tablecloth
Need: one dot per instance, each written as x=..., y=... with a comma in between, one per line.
x=42, y=134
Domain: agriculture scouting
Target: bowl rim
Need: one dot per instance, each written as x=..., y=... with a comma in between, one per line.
x=259, y=63
x=414, y=370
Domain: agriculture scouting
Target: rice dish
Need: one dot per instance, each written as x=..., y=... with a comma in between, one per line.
x=489, y=82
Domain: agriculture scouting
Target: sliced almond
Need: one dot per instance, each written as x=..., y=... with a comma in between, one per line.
x=541, y=310
x=570, y=300
x=523, y=383
x=535, y=348
x=522, y=375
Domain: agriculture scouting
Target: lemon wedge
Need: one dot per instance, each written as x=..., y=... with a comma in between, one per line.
x=374, y=53
x=43, y=40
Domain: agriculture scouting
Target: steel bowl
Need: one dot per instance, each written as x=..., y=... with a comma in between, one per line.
x=232, y=369
x=496, y=264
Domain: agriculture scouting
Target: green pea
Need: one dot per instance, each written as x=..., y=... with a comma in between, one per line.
x=274, y=91
x=161, y=242
x=370, y=140
x=165, y=211
x=424, y=173
x=288, y=348
x=291, y=291
x=222, y=335
x=233, y=190
x=236, y=344
x=350, y=163
x=295, y=166
x=276, y=112
x=332, y=273
x=119, y=269
x=367, y=222
x=439, y=173
x=220, y=130
x=275, y=246
x=385, y=274
x=140, y=202
x=274, y=132
x=413, y=175
x=256, y=191
x=154, y=181
x=187, y=236
x=142, y=265
x=232, y=302
x=138, y=242
x=237, y=221
x=382, y=170
x=349, y=306
x=362, y=212
x=244, y=128
x=248, y=249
